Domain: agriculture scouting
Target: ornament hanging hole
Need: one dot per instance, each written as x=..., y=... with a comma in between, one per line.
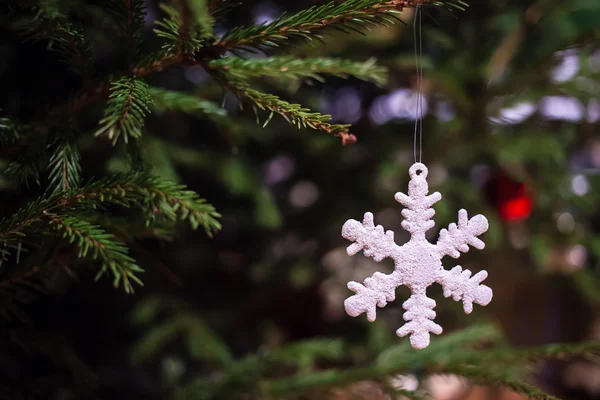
x=418, y=170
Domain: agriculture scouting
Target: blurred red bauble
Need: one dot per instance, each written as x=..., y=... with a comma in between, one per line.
x=510, y=198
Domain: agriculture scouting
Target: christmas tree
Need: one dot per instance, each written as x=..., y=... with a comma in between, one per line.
x=176, y=174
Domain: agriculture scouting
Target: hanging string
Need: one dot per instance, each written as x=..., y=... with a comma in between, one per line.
x=418, y=46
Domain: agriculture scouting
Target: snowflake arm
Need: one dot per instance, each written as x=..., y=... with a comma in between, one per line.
x=371, y=239
x=377, y=290
x=461, y=286
x=419, y=316
x=418, y=212
x=457, y=238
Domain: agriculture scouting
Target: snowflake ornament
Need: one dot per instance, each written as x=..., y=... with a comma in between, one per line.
x=418, y=263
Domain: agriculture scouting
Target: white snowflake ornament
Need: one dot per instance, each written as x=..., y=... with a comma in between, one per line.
x=418, y=263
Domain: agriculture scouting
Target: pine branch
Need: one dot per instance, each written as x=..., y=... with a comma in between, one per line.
x=64, y=166
x=129, y=16
x=13, y=229
x=156, y=197
x=93, y=240
x=174, y=202
x=556, y=351
x=203, y=20
x=128, y=105
x=163, y=61
x=29, y=162
x=159, y=197
x=164, y=100
x=292, y=68
x=186, y=27
x=201, y=342
x=349, y=16
x=50, y=8
x=176, y=31
x=482, y=376
x=306, y=353
x=9, y=131
x=431, y=362
x=293, y=113
x=444, y=348
x=218, y=9
x=30, y=279
x=20, y=290
x=50, y=25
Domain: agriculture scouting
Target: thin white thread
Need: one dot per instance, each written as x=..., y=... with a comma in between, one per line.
x=418, y=46
x=420, y=86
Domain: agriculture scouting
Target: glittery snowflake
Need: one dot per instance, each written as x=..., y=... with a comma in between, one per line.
x=418, y=263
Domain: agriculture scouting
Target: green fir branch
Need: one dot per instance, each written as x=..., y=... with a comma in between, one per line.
x=201, y=342
x=295, y=114
x=431, y=362
x=13, y=229
x=62, y=37
x=50, y=8
x=9, y=131
x=348, y=16
x=64, y=166
x=445, y=347
x=218, y=9
x=29, y=162
x=128, y=105
x=292, y=68
x=173, y=202
x=164, y=100
x=129, y=16
x=203, y=21
x=175, y=31
x=22, y=289
x=482, y=376
x=94, y=241
x=159, y=197
x=186, y=26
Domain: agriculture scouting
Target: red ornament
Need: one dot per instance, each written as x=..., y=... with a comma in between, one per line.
x=511, y=198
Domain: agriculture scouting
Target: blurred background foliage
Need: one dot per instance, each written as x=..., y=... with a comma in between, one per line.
x=510, y=131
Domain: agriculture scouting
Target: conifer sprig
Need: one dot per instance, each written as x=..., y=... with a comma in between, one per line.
x=309, y=24
x=9, y=131
x=100, y=245
x=64, y=166
x=129, y=103
x=158, y=198
x=186, y=27
x=29, y=163
x=129, y=16
x=433, y=362
x=289, y=67
x=174, y=28
x=202, y=20
x=295, y=114
x=219, y=8
x=164, y=100
x=62, y=36
x=482, y=376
